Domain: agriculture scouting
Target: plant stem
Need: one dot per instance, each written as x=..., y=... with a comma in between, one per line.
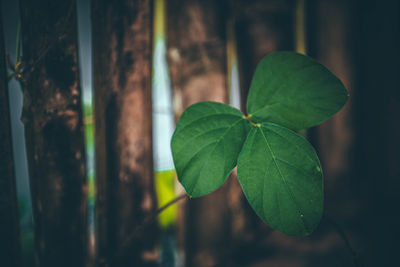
x=154, y=216
x=173, y=201
x=139, y=229
x=345, y=239
x=18, y=44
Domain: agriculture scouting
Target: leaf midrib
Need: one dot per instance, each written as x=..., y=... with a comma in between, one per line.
x=293, y=143
x=284, y=180
x=184, y=127
x=197, y=136
x=216, y=144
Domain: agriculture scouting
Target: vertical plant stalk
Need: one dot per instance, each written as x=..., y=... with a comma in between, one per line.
x=18, y=43
x=197, y=60
x=122, y=47
x=54, y=131
x=9, y=230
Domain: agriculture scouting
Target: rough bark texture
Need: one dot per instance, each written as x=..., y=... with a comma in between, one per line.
x=122, y=81
x=54, y=131
x=9, y=230
x=261, y=27
x=197, y=61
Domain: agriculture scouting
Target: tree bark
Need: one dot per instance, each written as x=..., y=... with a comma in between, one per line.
x=9, y=230
x=54, y=131
x=197, y=62
x=123, y=117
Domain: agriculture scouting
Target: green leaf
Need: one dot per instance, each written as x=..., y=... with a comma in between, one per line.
x=206, y=144
x=281, y=177
x=294, y=91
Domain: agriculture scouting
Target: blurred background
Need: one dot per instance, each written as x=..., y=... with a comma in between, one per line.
x=90, y=92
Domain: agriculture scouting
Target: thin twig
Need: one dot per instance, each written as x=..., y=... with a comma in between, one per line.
x=346, y=240
x=18, y=44
x=161, y=209
x=149, y=219
x=139, y=229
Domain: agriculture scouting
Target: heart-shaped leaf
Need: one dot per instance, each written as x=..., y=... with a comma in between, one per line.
x=206, y=144
x=281, y=177
x=294, y=91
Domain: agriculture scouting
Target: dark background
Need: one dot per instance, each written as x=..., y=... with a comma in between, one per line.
x=359, y=147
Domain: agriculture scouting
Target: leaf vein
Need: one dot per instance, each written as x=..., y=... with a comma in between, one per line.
x=284, y=180
x=216, y=144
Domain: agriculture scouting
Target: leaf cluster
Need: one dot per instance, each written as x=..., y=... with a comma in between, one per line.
x=278, y=170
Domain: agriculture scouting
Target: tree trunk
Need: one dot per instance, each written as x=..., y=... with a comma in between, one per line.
x=197, y=61
x=9, y=230
x=54, y=131
x=123, y=119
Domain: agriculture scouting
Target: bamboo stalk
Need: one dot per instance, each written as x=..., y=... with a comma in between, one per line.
x=122, y=47
x=54, y=131
x=197, y=60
